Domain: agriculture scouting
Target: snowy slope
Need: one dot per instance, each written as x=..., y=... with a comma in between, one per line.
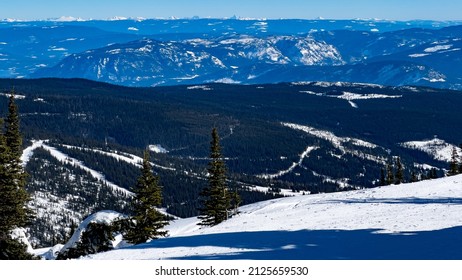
x=28, y=152
x=410, y=221
x=437, y=148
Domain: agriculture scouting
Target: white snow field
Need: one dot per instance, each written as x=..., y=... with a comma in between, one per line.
x=410, y=221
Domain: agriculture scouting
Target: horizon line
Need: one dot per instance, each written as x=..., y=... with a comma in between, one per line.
x=123, y=18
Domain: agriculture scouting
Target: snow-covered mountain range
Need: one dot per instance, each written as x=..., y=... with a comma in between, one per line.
x=140, y=52
x=411, y=221
x=231, y=59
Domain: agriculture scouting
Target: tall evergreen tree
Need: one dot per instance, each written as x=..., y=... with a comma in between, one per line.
x=399, y=176
x=414, y=177
x=147, y=222
x=14, y=212
x=12, y=132
x=454, y=164
x=433, y=173
x=383, y=180
x=235, y=201
x=460, y=161
x=216, y=199
x=390, y=176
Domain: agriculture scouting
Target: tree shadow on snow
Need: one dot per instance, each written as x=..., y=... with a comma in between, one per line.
x=410, y=200
x=445, y=244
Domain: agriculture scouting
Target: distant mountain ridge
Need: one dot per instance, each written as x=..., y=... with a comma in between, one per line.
x=196, y=51
x=238, y=58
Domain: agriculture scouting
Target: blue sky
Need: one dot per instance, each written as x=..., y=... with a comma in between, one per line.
x=308, y=9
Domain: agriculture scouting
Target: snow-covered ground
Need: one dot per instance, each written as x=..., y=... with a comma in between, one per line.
x=437, y=148
x=29, y=151
x=339, y=142
x=350, y=96
x=281, y=173
x=410, y=221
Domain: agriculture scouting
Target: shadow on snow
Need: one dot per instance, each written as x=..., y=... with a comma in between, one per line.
x=368, y=244
x=410, y=200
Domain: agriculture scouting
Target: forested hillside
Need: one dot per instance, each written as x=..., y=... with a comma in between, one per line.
x=290, y=138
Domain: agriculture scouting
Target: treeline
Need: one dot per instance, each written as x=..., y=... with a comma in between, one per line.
x=395, y=173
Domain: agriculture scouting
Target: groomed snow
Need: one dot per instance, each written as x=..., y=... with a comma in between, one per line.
x=281, y=173
x=338, y=142
x=329, y=136
x=126, y=157
x=28, y=152
x=356, y=96
x=409, y=221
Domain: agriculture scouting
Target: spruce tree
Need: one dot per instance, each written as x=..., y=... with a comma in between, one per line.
x=453, y=165
x=147, y=222
x=390, y=176
x=235, y=201
x=460, y=161
x=12, y=133
x=382, y=181
x=215, y=197
x=399, y=177
x=414, y=177
x=431, y=174
x=14, y=212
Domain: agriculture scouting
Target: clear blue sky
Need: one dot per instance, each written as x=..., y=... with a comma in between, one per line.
x=308, y=9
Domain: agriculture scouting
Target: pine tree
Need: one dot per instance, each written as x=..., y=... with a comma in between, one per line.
x=414, y=177
x=12, y=133
x=453, y=165
x=147, y=222
x=382, y=181
x=432, y=174
x=399, y=177
x=216, y=200
x=460, y=161
x=14, y=212
x=235, y=201
x=390, y=177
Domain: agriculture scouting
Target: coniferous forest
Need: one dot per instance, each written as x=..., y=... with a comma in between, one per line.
x=90, y=122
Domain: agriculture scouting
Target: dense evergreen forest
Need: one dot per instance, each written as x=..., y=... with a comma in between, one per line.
x=81, y=117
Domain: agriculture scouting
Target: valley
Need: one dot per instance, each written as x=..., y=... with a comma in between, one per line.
x=278, y=140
